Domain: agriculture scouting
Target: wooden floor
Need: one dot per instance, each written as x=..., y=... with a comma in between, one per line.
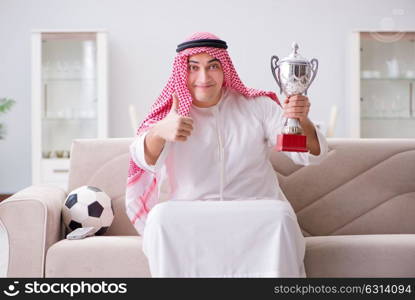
x=4, y=196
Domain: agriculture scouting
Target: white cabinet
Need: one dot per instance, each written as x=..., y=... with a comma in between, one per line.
x=69, y=98
x=384, y=80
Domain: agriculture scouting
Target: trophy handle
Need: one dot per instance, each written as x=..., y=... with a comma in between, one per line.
x=274, y=67
x=314, y=68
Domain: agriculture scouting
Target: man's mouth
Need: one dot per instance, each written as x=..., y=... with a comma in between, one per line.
x=204, y=86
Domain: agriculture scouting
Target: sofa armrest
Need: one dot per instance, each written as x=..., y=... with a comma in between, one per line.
x=31, y=221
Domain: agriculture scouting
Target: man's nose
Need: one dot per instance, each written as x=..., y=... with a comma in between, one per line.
x=203, y=76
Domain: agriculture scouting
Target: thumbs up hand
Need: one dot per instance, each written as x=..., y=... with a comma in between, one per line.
x=174, y=127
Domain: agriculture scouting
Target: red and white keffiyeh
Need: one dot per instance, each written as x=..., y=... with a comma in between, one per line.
x=141, y=191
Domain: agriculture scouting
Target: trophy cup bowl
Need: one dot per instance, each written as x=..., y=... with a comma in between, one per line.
x=293, y=74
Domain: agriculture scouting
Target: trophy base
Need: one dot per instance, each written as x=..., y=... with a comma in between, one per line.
x=292, y=143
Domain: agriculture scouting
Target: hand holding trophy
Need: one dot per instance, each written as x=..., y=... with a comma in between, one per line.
x=293, y=74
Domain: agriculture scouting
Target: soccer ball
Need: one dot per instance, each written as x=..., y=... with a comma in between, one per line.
x=88, y=206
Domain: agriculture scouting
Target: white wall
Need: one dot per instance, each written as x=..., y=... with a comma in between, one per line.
x=143, y=36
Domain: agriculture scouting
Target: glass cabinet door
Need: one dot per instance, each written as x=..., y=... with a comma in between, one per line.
x=387, y=77
x=69, y=98
x=69, y=91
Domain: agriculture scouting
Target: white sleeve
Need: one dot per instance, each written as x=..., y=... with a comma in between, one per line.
x=274, y=119
x=138, y=156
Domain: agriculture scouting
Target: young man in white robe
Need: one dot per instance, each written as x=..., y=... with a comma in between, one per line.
x=225, y=214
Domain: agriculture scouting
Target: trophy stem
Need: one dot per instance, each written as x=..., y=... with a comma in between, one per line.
x=292, y=126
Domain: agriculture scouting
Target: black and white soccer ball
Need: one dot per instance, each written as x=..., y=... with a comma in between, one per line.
x=88, y=206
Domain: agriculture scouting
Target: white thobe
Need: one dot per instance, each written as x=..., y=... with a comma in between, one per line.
x=225, y=158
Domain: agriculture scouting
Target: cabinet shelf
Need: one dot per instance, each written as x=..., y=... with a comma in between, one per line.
x=55, y=159
x=387, y=118
x=46, y=79
x=69, y=119
x=389, y=79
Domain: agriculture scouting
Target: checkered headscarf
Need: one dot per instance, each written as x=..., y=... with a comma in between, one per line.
x=141, y=192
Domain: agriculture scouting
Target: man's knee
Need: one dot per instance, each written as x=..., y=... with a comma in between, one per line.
x=279, y=207
x=158, y=214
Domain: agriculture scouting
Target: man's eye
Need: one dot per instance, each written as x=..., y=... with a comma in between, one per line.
x=215, y=66
x=192, y=68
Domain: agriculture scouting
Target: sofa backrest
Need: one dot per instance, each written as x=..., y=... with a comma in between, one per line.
x=364, y=186
x=103, y=163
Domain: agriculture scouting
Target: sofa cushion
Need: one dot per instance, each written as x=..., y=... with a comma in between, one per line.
x=97, y=256
x=377, y=255
x=380, y=255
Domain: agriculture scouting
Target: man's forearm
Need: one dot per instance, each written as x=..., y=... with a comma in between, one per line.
x=153, y=145
x=312, y=141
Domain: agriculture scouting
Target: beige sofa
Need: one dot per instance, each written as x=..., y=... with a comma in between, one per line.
x=356, y=209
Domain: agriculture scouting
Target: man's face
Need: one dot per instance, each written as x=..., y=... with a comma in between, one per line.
x=205, y=79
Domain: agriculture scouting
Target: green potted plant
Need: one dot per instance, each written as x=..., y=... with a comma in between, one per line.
x=5, y=106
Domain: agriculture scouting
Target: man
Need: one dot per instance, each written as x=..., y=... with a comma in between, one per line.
x=208, y=138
